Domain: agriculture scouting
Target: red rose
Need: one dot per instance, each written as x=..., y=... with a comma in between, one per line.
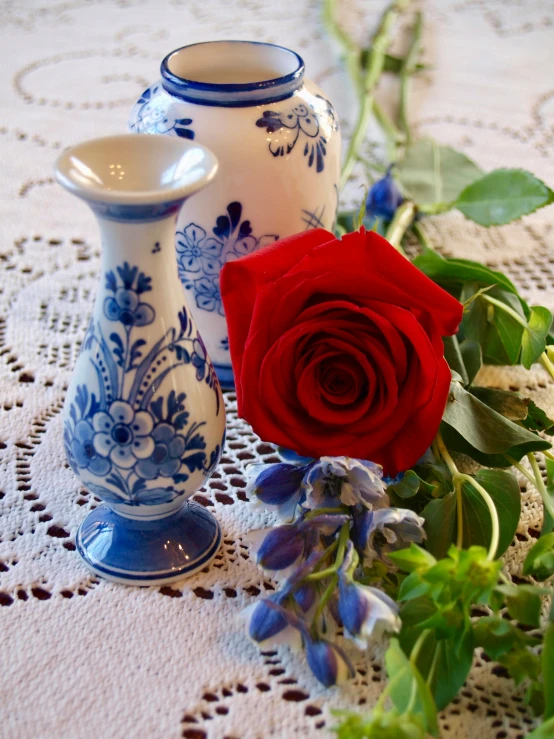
x=337, y=347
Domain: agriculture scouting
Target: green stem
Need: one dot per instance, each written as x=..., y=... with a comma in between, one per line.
x=351, y=51
x=388, y=688
x=376, y=61
x=323, y=511
x=421, y=235
x=495, y=535
x=535, y=479
x=321, y=575
x=507, y=309
x=539, y=484
x=406, y=72
x=433, y=667
x=547, y=364
x=393, y=134
x=445, y=454
x=459, y=516
x=413, y=696
x=329, y=590
x=416, y=649
x=340, y=543
x=400, y=223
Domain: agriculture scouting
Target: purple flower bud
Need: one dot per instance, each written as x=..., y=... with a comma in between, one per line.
x=281, y=547
x=328, y=662
x=266, y=622
x=305, y=596
x=383, y=198
x=366, y=611
x=361, y=526
x=278, y=483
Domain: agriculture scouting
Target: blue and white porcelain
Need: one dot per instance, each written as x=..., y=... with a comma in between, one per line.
x=144, y=421
x=277, y=139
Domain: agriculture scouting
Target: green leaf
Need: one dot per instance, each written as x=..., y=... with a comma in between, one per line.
x=451, y=662
x=379, y=725
x=453, y=356
x=407, y=487
x=482, y=427
x=533, y=342
x=544, y=731
x=413, y=559
x=548, y=521
x=503, y=196
x=452, y=273
x=412, y=587
x=548, y=670
x=418, y=612
x=499, y=333
x=503, y=488
x=433, y=175
x=521, y=664
x=524, y=603
x=456, y=443
x=497, y=636
x=537, y=420
x=402, y=675
x=539, y=562
x=509, y=404
x=440, y=524
x=472, y=356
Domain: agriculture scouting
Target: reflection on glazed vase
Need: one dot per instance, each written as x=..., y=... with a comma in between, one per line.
x=277, y=139
x=144, y=420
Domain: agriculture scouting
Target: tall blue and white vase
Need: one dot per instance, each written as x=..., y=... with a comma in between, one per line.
x=143, y=421
x=277, y=139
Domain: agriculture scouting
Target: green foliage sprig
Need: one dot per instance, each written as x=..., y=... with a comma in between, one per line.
x=470, y=519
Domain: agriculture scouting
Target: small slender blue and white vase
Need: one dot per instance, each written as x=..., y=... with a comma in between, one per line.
x=144, y=420
x=277, y=139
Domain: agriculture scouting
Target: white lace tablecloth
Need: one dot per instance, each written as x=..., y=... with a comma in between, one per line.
x=86, y=658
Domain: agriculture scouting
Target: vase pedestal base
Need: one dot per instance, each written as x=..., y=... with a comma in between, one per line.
x=225, y=376
x=148, y=552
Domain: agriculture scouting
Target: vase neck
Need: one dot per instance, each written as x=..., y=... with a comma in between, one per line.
x=149, y=246
x=232, y=74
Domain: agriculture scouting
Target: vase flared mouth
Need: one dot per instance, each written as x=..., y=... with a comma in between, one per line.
x=136, y=170
x=232, y=73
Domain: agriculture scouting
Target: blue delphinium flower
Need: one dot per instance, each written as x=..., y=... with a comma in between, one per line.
x=277, y=484
x=328, y=662
x=364, y=611
x=335, y=481
x=287, y=544
x=383, y=198
x=375, y=533
x=268, y=622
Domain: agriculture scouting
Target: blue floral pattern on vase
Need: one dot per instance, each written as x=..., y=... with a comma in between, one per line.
x=154, y=113
x=137, y=447
x=301, y=122
x=200, y=257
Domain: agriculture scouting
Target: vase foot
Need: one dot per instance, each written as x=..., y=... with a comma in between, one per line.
x=148, y=552
x=225, y=376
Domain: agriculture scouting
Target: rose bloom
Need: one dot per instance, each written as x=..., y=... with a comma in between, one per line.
x=337, y=347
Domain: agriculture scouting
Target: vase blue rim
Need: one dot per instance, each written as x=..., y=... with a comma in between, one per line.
x=241, y=94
